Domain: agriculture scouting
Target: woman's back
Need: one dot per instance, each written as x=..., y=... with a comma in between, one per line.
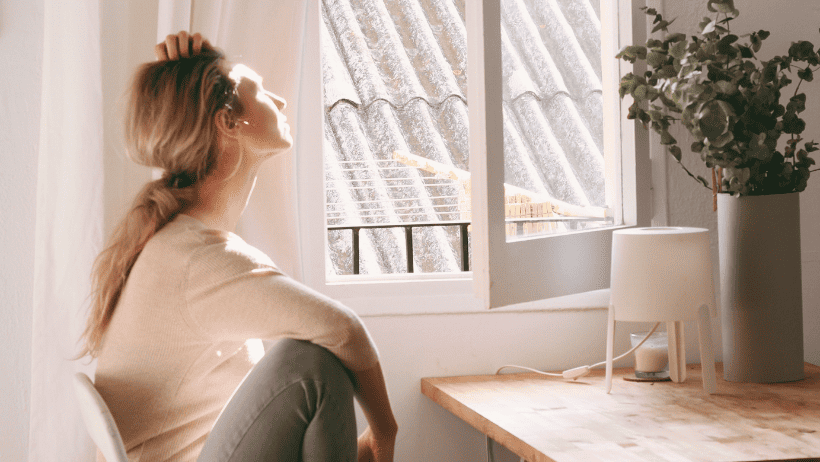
x=163, y=378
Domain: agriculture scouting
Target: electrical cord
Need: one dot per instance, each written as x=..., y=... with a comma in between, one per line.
x=578, y=372
x=575, y=373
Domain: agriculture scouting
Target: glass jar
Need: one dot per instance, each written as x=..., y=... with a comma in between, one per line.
x=651, y=358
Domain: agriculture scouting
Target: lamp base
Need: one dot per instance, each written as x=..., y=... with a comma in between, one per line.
x=652, y=377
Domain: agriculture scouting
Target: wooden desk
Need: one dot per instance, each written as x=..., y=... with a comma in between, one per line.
x=551, y=419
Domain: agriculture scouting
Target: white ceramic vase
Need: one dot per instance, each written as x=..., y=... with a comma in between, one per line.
x=761, y=290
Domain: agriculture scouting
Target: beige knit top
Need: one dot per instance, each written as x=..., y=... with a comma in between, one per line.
x=176, y=347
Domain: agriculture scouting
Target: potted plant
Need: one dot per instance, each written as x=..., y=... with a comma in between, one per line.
x=734, y=108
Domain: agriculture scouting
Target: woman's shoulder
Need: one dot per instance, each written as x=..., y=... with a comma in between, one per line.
x=211, y=247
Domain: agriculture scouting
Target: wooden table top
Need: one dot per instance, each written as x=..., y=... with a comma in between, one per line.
x=551, y=419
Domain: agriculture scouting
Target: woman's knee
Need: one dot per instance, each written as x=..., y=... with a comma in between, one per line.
x=291, y=360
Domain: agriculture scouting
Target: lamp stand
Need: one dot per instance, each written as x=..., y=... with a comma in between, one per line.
x=677, y=349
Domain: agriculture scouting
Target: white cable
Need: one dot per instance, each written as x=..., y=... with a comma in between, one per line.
x=581, y=371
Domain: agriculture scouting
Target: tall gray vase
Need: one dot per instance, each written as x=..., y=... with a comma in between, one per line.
x=760, y=288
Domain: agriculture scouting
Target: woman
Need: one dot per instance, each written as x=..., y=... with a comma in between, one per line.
x=177, y=294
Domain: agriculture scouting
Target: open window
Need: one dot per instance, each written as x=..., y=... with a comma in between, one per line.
x=443, y=141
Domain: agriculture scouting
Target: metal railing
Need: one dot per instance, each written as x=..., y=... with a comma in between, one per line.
x=408, y=238
x=573, y=223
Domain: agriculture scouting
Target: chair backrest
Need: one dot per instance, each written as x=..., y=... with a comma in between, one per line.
x=98, y=420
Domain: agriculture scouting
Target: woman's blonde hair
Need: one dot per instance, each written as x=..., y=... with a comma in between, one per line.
x=170, y=124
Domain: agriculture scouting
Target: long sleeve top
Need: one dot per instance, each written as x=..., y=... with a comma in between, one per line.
x=178, y=342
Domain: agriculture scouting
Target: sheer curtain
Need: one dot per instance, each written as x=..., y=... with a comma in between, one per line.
x=68, y=224
x=267, y=36
x=271, y=37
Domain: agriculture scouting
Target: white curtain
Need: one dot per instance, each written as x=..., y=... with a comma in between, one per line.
x=69, y=221
x=270, y=37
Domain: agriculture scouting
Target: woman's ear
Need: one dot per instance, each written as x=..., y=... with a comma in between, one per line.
x=226, y=124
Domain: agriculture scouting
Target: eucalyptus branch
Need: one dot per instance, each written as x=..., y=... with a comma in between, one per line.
x=808, y=67
x=693, y=175
x=798, y=85
x=731, y=127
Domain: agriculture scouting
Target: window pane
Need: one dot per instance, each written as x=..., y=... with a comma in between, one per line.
x=395, y=133
x=554, y=156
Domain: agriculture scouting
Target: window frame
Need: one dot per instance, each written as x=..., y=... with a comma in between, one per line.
x=399, y=294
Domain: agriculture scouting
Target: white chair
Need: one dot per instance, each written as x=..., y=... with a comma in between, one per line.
x=98, y=420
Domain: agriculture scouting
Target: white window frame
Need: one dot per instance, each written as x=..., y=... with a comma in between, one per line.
x=495, y=280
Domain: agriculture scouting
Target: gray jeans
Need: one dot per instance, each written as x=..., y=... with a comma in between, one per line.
x=296, y=404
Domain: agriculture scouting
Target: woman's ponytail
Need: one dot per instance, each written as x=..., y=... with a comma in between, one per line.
x=156, y=204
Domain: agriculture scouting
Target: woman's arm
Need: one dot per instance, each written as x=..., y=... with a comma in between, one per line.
x=379, y=438
x=233, y=293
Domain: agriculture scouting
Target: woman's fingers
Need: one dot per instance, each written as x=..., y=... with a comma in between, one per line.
x=184, y=44
x=171, y=47
x=180, y=45
x=160, y=52
x=196, y=45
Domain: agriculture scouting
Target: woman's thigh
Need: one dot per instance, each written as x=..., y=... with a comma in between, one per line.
x=296, y=404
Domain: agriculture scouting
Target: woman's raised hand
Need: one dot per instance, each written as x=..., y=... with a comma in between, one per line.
x=180, y=45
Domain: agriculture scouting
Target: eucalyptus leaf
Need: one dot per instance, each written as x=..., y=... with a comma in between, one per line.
x=712, y=120
x=721, y=6
x=793, y=125
x=722, y=140
x=662, y=25
x=676, y=153
x=726, y=87
x=801, y=50
x=666, y=138
x=656, y=59
x=797, y=103
x=709, y=27
x=760, y=151
x=678, y=50
x=806, y=74
x=724, y=45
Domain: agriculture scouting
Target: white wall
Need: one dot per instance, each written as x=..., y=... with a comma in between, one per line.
x=21, y=40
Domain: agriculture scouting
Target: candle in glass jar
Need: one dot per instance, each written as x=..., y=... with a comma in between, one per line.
x=653, y=355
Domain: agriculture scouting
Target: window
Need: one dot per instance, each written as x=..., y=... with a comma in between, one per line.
x=397, y=149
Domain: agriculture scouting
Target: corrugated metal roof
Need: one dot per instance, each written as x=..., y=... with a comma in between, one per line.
x=395, y=80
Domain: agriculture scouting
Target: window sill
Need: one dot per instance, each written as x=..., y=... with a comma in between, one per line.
x=436, y=304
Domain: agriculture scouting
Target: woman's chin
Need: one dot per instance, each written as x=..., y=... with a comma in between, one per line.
x=282, y=146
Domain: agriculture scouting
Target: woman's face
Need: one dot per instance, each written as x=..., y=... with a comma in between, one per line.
x=263, y=127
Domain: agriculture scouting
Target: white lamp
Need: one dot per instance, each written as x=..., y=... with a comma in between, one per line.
x=664, y=274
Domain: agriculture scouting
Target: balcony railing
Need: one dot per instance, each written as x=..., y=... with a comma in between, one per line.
x=463, y=226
